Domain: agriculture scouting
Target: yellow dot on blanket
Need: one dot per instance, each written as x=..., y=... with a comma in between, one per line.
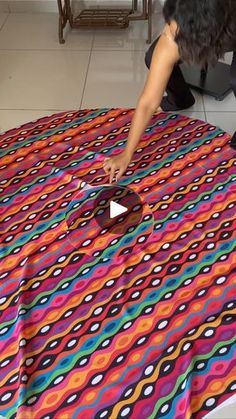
x=135, y=357
x=216, y=386
x=217, y=292
x=158, y=339
x=115, y=377
x=90, y=396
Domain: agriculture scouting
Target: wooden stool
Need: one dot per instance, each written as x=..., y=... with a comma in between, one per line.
x=119, y=18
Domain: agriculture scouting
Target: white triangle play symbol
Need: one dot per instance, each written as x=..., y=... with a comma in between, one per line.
x=116, y=209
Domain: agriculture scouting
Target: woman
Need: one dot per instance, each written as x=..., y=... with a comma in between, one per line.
x=196, y=31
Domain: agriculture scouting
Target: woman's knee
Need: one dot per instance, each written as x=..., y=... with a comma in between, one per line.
x=233, y=74
x=233, y=82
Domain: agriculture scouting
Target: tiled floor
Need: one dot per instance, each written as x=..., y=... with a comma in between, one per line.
x=100, y=68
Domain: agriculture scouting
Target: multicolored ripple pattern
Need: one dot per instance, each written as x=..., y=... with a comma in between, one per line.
x=147, y=334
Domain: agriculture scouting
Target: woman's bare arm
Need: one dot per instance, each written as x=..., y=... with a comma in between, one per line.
x=164, y=58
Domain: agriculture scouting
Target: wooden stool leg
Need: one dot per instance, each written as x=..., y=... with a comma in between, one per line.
x=149, y=15
x=61, y=22
x=135, y=5
x=69, y=13
x=145, y=8
x=60, y=31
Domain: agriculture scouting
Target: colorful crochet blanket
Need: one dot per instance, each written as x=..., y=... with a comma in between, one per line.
x=136, y=334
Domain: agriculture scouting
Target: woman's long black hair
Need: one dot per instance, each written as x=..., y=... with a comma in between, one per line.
x=205, y=27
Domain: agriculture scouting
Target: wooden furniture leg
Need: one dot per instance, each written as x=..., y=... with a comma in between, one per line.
x=135, y=5
x=62, y=20
x=149, y=16
x=69, y=12
x=145, y=15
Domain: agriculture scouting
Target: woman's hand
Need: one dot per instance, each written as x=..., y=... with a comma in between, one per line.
x=116, y=163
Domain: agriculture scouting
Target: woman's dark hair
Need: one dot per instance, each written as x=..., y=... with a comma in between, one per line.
x=205, y=27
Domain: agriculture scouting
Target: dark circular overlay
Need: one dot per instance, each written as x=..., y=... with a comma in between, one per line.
x=123, y=196
x=93, y=231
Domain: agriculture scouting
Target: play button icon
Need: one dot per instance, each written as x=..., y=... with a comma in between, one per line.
x=108, y=221
x=116, y=209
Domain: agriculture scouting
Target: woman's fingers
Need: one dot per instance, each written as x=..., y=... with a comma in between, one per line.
x=119, y=174
x=111, y=166
x=112, y=173
x=106, y=170
x=106, y=166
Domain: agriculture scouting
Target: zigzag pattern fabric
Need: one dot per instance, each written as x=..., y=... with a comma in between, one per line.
x=118, y=333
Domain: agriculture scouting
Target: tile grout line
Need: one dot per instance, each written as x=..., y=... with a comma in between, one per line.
x=86, y=76
x=220, y=111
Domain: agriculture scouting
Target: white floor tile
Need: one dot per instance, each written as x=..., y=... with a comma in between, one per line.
x=3, y=18
x=224, y=120
x=227, y=58
x=42, y=79
x=4, y=7
x=35, y=6
x=225, y=411
x=40, y=31
x=115, y=79
x=198, y=105
x=226, y=105
x=194, y=115
x=132, y=38
x=15, y=118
